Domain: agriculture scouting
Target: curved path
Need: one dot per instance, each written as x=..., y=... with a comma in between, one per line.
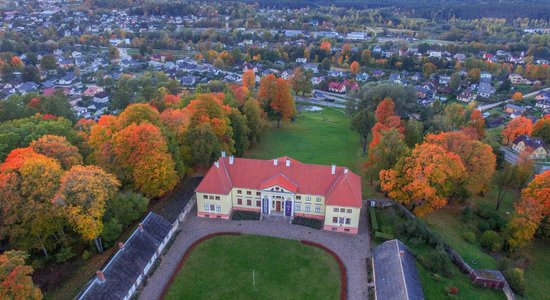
x=353, y=250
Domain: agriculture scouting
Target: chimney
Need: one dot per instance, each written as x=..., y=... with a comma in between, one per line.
x=275, y=161
x=288, y=162
x=217, y=164
x=223, y=153
x=120, y=245
x=401, y=253
x=100, y=276
x=346, y=170
x=333, y=169
x=231, y=159
x=140, y=227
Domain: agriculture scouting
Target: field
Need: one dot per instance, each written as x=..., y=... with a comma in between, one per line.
x=321, y=137
x=256, y=267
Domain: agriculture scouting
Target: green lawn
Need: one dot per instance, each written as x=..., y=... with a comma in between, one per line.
x=322, y=137
x=223, y=268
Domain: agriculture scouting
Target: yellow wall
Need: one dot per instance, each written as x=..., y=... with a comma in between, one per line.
x=244, y=196
x=312, y=203
x=354, y=215
x=224, y=202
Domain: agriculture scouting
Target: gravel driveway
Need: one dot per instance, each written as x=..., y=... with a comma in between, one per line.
x=352, y=250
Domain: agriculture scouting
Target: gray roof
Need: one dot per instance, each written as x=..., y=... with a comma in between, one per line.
x=395, y=273
x=128, y=263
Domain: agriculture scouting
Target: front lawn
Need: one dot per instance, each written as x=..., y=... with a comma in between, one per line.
x=256, y=267
x=320, y=137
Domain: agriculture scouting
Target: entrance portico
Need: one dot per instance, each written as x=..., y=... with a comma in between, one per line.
x=277, y=203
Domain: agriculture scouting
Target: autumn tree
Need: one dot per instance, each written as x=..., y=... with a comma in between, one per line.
x=325, y=46
x=240, y=131
x=204, y=147
x=15, y=277
x=256, y=120
x=428, y=69
x=355, y=68
x=530, y=211
x=453, y=118
x=516, y=127
x=425, y=179
x=249, y=79
x=386, y=153
x=267, y=89
x=477, y=158
x=385, y=120
x=282, y=105
x=474, y=74
x=414, y=132
x=541, y=129
x=301, y=81
x=477, y=123
x=58, y=148
x=84, y=193
x=517, y=96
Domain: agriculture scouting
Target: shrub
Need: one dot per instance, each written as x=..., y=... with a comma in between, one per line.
x=245, y=215
x=469, y=236
x=387, y=229
x=111, y=231
x=86, y=254
x=483, y=226
x=516, y=280
x=309, y=222
x=440, y=261
x=64, y=255
x=453, y=290
x=491, y=240
x=467, y=214
x=126, y=207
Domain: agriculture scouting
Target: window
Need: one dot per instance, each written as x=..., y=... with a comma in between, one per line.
x=206, y=206
x=217, y=197
x=204, y=196
x=342, y=210
x=258, y=193
x=298, y=207
x=249, y=202
x=248, y=192
x=258, y=203
x=341, y=220
x=239, y=201
x=212, y=207
x=308, y=208
x=348, y=221
x=239, y=192
x=349, y=211
x=318, y=209
x=218, y=208
x=318, y=199
x=308, y=198
x=211, y=197
x=334, y=220
x=335, y=209
x=298, y=197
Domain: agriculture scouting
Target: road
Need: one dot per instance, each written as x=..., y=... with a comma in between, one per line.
x=317, y=101
x=492, y=105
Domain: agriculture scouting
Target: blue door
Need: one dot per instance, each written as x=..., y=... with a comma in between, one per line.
x=265, y=206
x=288, y=208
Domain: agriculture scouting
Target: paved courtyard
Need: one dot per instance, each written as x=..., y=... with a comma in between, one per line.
x=353, y=250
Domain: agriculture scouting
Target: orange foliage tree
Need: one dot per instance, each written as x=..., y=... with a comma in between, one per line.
x=57, y=147
x=516, y=127
x=478, y=158
x=325, y=46
x=355, y=67
x=476, y=124
x=385, y=120
x=283, y=103
x=517, y=96
x=531, y=210
x=249, y=79
x=425, y=179
x=15, y=277
x=541, y=129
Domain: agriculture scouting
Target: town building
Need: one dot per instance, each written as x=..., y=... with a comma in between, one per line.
x=395, y=274
x=535, y=147
x=282, y=187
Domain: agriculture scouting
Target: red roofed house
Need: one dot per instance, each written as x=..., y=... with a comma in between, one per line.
x=284, y=187
x=337, y=87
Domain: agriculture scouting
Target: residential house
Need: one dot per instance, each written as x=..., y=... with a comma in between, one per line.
x=433, y=53
x=27, y=87
x=514, y=109
x=356, y=36
x=282, y=187
x=67, y=80
x=535, y=147
x=466, y=96
x=444, y=79
x=515, y=78
x=188, y=80
x=101, y=98
x=362, y=77
x=485, y=90
x=337, y=87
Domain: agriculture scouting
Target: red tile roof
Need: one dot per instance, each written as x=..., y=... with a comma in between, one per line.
x=342, y=188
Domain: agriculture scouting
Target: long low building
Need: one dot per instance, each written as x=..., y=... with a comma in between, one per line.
x=282, y=187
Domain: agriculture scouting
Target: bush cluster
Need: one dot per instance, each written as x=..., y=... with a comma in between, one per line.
x=516, y=280
x=309, y=222
x=245, y=215
x=491, y=240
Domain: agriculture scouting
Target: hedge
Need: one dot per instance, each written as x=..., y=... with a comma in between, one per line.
x=374, y=223
x=309, y=222
x=382, y=236
x=245, y=215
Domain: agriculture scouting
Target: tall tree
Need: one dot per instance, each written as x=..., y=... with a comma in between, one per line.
x=84, y=193
x=249, y=79
x=428, y=69
x=541, y=129
x=15, y=277
x=355, y=68
x=477, y=122
x=240, y=131
x=385, y=120
x=425, y=179
x=362, y=123
x=301, y=81
x=57, y=147
x=283, y=104
x=516, y=127
x=414, y=132
x=256, y=120
x=386, y=153
x=204, y=147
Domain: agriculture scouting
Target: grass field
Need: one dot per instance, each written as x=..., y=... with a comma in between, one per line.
x=322, y=137
x=223, y=268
